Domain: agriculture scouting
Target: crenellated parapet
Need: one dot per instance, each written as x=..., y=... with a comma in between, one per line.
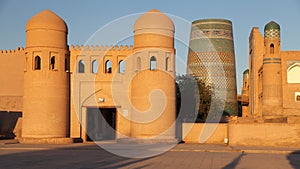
x=18, y=50
x=100, y=48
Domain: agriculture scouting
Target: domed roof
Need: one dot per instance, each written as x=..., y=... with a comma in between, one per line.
x=154, y=19
x=246, y=71
x=47, y=20
x=272, y=25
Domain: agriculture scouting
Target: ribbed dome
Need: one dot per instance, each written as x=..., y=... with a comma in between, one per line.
x=154, y=19
x=272, y=25
x=47, y=20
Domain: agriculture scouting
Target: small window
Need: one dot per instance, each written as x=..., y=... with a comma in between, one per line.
x=297, y=96
x=81, y=66
x=25, y=64
x=272, y=48
x=52, y=63
x=245, y=84
x=67, y=68
x=152, y=63
x=94, y=66
x=138, y=64
x=108, y=66
x=167, y=64
x=122, y=66
x=37, y=63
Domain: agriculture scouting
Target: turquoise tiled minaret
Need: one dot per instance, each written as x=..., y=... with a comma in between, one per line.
x=211, y=58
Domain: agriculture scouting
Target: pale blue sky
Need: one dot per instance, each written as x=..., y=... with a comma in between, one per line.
x=84, y=18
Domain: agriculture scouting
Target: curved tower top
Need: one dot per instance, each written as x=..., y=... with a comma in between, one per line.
x=47, y=20
x=208, y=33
x=46, y=29
x=154, y=19
x=155, y=30
x=212, y=20
x=246, y=72
x=272, y=30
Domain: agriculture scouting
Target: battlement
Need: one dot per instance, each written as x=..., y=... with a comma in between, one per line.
x=14, y=51
x=101, y=48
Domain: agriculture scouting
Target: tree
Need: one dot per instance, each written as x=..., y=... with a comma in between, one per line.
x=193, y=98
x=205, y=97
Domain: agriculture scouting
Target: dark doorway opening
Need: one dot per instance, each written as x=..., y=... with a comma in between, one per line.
x=101, y=124
x=8, y=121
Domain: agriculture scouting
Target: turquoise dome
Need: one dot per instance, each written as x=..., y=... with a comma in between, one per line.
x=272, y=25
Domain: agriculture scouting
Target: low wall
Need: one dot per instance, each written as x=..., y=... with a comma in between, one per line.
x=265, y=134
x=211, y=133
x=239, y=134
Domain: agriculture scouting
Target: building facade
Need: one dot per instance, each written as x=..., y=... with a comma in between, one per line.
x=273, y=77
x=92, y=92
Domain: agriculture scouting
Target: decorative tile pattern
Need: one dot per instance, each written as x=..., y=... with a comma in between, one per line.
x=209, y=33
x=211, y=57
x=272, y=33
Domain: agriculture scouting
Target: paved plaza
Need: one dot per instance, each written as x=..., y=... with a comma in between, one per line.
x=90, y=155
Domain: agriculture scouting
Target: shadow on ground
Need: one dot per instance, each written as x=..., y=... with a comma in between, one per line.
x=294, y=159
x=234, y=163
x=81, y=157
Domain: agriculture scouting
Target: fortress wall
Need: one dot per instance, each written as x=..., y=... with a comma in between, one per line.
x=250, y=134
x=191, y=132
x=88, y=54
x=11, y=78
x=290, y=59
x=264, y=134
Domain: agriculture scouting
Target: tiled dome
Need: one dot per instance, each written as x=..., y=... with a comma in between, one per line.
x=272, y=25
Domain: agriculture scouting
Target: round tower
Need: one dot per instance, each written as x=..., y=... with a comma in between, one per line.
x=272, y=75
x=245, y=88
x=211, y=58
x=46, y=81
x=153, y=86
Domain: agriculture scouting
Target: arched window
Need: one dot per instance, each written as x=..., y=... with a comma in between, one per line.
x=108, y=66
x=138, y=64
x=94, y=66
x=81, y=66
x=152, y=63
x=272, y=48
x=37, y=63
x=52, y=63
x=167, y=64
x=293, y=73
x=121, y=66
x=245, y=84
